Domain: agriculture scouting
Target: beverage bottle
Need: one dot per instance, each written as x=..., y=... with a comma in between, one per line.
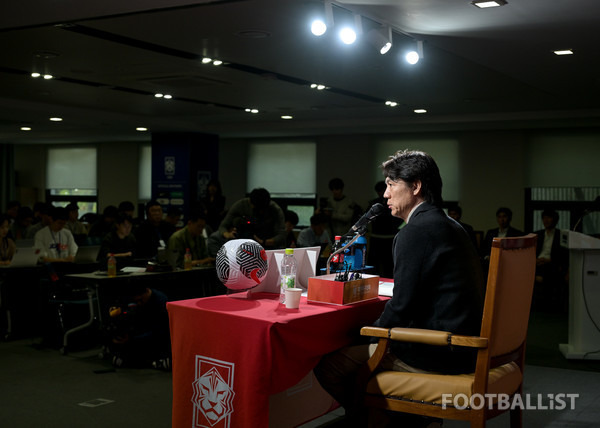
x=187, y=260
x=111, y=268
x=288, y=272
x=337, y=261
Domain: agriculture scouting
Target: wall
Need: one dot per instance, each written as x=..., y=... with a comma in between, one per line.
x=482, y=169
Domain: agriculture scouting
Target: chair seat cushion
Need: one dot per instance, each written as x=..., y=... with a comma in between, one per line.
x=430, y=387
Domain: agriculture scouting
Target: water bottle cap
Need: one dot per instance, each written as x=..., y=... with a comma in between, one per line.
x=289, y=251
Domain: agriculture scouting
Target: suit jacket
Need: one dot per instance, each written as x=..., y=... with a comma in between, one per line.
x=438, y=284
x=559, y=255
x=493, y=233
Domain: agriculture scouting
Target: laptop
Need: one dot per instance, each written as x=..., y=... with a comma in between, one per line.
x=87, y=254
x=25, y=257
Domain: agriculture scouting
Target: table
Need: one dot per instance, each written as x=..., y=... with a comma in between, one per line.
x=232, y=353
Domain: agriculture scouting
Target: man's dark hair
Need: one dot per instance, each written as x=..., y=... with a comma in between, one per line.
x=336, y=183
x=318, y=219
x=291, y=216
x=260, y=198
x=411, y=166
x=506, y=211
x=126, y=206
x=122, y=218
x=72, y=207
x=551, y=213
x=59, y=213
x=110, y=212
x=152, y=203
x=197, y=214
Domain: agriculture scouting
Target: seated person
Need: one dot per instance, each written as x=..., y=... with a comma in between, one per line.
x=103, y=226
x=153, y=233
x=77, y=228
x=190, y=237
x=139, y=329
x=44, y=214
x=55, y=243
x=120, y=242
x=18, y=230
x=504, y=229
x=315, y=235
x=263, y=220
x=7, y=245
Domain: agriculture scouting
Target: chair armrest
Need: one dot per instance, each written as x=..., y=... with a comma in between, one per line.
x=427, y=337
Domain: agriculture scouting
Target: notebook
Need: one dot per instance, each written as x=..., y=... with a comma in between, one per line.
x=87, y=254
x=25, y=257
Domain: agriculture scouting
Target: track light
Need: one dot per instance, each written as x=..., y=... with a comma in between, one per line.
x=320, y=26
x=381, y=38
x=413, y=57
x=348, y=35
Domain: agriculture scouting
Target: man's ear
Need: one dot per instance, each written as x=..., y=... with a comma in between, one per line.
x=416, y=187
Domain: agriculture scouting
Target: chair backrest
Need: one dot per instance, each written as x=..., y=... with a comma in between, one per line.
x=508, y=295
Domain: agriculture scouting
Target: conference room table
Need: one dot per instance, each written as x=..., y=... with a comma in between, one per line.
x=238, y=358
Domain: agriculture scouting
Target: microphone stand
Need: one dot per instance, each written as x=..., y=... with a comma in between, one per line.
x=358, y=234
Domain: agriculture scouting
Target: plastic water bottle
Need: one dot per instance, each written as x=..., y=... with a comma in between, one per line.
x=187, y=260
x=337, y=261
x=288, y=272
x=111, y=268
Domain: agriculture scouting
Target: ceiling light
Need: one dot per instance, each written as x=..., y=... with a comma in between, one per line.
x=483, y=4
x=347, y=35
x=168, y=97
x=56, y=119
x=217, y=62
x=381, y=38
x=35, y=75
x=48, y=76
x=319, y=26
x=158, y=95
x=420, y=110
x=25, y=128
x=391, y=103
x=206, y=60
x=564, y=52
x=251, y=110
x=141, y=129
x=287, y=117
x=413, y=57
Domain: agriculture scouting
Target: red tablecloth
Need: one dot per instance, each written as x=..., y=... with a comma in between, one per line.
x=231, y=352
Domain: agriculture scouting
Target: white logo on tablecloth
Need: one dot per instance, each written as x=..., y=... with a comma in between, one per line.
x=213, y=393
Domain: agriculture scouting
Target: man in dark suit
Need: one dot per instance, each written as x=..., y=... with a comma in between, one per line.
x=438, y=283
x=552, y=262
x=504, y=229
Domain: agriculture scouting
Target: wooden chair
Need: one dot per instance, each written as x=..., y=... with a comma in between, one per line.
x=500, y=351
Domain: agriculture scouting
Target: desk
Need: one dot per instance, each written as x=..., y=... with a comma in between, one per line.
x=231, y=353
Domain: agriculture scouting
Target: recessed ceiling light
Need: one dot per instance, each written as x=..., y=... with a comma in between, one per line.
x=56, y=119
x=287, y=117
x=391, y=103
x=251, y=110
x=206, y=60
x=48, y=76
x=159, y=95
x=564, y=52
x=35, y=75
x=420, y=110
x=141, y=129
x=25, y=128
x=217, y=62
x=483, y=4
x=168, y=97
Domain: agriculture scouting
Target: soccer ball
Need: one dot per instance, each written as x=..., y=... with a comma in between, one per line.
x=241, y=264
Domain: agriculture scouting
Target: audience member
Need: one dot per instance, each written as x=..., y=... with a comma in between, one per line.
x=45, y=219
x=214, y=203
x=504, y=229
x=56, y=244
x=120, y=242
x=552, y=264
x=12, y=209
x=153, y=233
x=316, y=235
x=139, y=329
x=104, y=225
x=437, y=285
x=173, y=217
x=263, y=220
x=126, y=208
x=77, y=228
x=381, y=236
x=291, y=220
x=340, y=208
x=18, y=229
x=37, y=207
x=190, y=238
x=7, y=245
x=455, y=212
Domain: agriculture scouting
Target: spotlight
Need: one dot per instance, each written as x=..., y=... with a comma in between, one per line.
x=319, y=26
x=483, y=4
x=347, y=35
x=381, y=38
x=413, y=57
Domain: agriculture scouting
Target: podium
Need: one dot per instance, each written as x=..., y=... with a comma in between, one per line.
x=584, y=296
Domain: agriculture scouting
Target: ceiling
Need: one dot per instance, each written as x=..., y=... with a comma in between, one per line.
x=482, y=68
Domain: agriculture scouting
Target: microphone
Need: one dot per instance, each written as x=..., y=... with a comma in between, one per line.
x=361, y=224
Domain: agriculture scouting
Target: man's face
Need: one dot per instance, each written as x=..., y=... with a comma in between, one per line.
x=548, y=222
x=155, y=213
x=401, y=197
x=196, y=227
x=502, y=219
x=337, y=193
x=73, y=215
x=57, y=225
x=454, y=214
x=124, y=228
